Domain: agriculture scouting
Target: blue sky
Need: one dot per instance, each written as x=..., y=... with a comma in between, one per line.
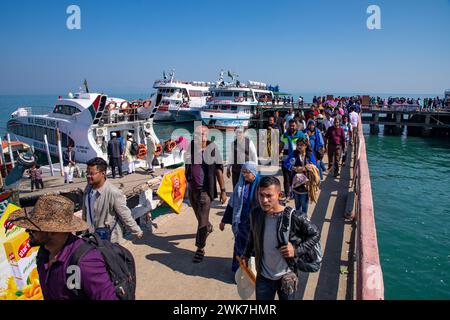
x=304, y=46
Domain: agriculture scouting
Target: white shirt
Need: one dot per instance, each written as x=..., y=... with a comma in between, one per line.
x=353, y=117
x=328, y=123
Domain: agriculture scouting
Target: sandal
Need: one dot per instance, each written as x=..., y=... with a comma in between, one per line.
x=199, y=255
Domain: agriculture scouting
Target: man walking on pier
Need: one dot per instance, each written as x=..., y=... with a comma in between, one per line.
x=335, y=141
x=275, y=253
x=69, y=164
x=115, y=152
x=354, y=118
x=105, y=207
x=204, y=167
x=242, y=150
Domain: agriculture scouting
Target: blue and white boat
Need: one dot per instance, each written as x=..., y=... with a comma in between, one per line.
x=233, y=104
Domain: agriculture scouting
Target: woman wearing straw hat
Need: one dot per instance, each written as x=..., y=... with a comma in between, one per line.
x=51, y=225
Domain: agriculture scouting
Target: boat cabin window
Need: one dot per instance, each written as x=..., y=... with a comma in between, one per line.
x=66, y=110
x=195, y=93
x=37, y=133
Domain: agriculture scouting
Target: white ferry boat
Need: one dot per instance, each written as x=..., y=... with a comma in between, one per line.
x=234, y=104
x=179, y=101
x=86, y=121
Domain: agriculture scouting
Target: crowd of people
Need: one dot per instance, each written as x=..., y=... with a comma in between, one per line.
x=426, y=104
x=256, y=209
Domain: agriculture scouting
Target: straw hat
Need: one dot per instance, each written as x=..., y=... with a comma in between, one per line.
x=50, y=214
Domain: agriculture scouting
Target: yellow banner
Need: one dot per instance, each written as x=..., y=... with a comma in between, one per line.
x=173, y=188
x=19, y=278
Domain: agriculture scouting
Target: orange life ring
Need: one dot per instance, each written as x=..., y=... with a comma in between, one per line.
x=135, y=104
x=169, y=145
x=142, y=151
x=126, y=106
x=112, y=105
x=158, y=150
x=147, y=103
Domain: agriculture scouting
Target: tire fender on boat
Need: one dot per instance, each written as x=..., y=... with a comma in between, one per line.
x=142, y=151
x=112, y=105
x=158, y=150
x=126, y=107
x=170, y=145
x=147, y=103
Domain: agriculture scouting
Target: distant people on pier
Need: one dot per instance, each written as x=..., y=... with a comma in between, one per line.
x=203, y=171
x=354, y=119
x=69, y=164
x=36, y=177
x=317, y=145
x=105, y=206
x=300, y=102
x=272, y=131
x=279, y=121
x=329, y=120
x=348, y=134
x=150, y=144
x=335, y=142
x=130, y=153
x=302, y=157
x=288, y=117
x=115, y=152
x=243, y=200
x=287, y=146
x=276, y=252
x=242, y=150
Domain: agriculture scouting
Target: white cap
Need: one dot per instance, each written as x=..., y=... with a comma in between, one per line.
x=129, y=134
x=113, y=134
x=147, y=131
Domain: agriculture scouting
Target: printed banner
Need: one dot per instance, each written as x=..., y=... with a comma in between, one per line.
x=173, y=188
x=19, y=278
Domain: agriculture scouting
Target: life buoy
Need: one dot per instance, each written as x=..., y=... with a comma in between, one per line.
x=112, y=106
x=158, y=150
x=142, y=151
x=135, y=105
x=147, y=103
x=237, y=99
x=124, y=105
x=169, y=145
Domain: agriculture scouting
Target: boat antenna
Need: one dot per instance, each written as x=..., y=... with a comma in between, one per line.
x=164, y=75
x=86, y=85
x=172, y=75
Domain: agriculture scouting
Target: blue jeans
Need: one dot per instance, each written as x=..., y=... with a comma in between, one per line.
x=322, y=168
x=266, y=289
x=301, y=202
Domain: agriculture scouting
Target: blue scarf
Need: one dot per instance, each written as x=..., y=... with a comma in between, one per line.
x=237, y=199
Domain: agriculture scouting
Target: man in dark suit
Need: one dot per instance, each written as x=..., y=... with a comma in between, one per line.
x=115, y=151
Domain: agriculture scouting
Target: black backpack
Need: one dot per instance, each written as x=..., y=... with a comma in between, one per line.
x=311, y=260
x=134, y=150
x=119, y=263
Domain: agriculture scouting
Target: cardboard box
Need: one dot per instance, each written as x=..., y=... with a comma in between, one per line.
x=21, y=258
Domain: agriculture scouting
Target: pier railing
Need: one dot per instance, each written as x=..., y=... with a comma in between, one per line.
x=369, y=278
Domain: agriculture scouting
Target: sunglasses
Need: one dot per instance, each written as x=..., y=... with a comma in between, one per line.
x=10, y=223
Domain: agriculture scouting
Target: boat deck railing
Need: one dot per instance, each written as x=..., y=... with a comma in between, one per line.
x=369, y=278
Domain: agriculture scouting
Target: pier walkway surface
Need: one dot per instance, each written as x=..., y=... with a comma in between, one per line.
x=164, y=257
